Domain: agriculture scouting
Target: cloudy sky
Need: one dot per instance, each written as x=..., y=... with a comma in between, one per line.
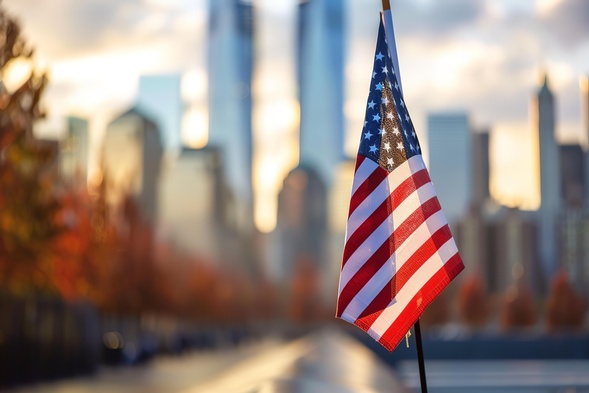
x=483, y=56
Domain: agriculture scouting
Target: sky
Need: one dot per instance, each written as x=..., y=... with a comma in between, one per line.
x=485, y=57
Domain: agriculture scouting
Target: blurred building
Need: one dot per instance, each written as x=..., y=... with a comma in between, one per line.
x=474, y=231
x=450, y=155
x=320, y=64
x=73, y=153
x=585, y=121
x=301, y=230
x=159, y=98
x=573, y=247
x=543, y=120
x=572, y=176
x=338, y=208
x=480, y=169
x=230, y=56
x=585, y=110
x=131, y=160
x=514, y=252
x=192, y=196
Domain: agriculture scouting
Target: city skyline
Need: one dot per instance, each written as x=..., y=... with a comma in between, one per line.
x=483, y=58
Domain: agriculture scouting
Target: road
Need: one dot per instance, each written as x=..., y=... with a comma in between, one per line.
x=328, y=361
x=163, y=374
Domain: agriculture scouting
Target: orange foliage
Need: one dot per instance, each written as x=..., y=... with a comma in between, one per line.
x=519, y=310
x=565, y=309
x=473, y=301
x=303, y=304
x=437, y=313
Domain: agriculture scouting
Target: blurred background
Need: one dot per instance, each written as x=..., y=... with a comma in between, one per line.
x=175, y=175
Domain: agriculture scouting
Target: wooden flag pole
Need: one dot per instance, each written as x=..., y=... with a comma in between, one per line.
x=386, y=6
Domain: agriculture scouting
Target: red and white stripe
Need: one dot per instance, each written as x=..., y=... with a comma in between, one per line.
x=399, y=252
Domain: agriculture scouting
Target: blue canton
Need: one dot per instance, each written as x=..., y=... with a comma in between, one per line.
x=388, y=136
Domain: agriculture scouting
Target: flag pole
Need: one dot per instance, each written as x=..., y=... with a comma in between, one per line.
x=420, y=359
x=386, y=6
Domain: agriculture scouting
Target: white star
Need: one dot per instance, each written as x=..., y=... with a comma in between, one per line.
x=371, y=104
x=384, y=70
x=368, y=135
x=376, y=117
x=379, y=56
x=379, y=86
x=400, y=146
x=390, y=162
x=407, y=118
x=411, y=147
x=390, y=115
x=365, y=122
x=373, y=149
x=396, y=131
x=381, y=131
x=387, y=146
x=402, y=103
x=413, y=134
x=384, y=100
x=373, y=74
x=396, y=86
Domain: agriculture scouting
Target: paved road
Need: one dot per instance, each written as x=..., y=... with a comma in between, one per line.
x=328, y=361
x=162, y=375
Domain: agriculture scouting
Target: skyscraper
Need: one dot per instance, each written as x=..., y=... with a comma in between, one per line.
x=450, y=162
x=474, y=230
x=321, y=84
x=480, y=168
x=73, y=153
x=230, y=56
x=131, y=159
x=159, y=98
x=585, y=108
x=543, y=118
x=301, y=231
x=585, y=118
x=572, y=176
x=192, y=202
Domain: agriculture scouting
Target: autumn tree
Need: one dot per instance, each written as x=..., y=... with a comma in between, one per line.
x=565, y=309
x=473, y=301
x=519, y=310
x=438, y=312
x=28, y=206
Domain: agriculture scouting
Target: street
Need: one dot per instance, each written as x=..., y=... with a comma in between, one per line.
x=328, y=361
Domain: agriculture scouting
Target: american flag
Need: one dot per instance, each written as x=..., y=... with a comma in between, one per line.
x=399, y=253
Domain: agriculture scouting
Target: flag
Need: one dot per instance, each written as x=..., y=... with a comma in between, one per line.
x=399, y=253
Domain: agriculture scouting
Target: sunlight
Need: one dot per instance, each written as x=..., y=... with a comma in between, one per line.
x=195, y=125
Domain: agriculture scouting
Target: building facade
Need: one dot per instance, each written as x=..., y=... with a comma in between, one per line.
x=543, y=118
x=131, y=161
x=230, y=56
x=450, y=156
x=320, y=75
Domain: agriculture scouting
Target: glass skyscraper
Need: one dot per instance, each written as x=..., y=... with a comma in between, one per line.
x=450, y=155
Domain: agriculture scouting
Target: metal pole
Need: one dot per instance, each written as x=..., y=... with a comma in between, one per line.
x=420, y=360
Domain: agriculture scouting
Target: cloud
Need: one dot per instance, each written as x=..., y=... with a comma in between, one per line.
x=568, y=20
x=66, y=28
x=435, y=18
